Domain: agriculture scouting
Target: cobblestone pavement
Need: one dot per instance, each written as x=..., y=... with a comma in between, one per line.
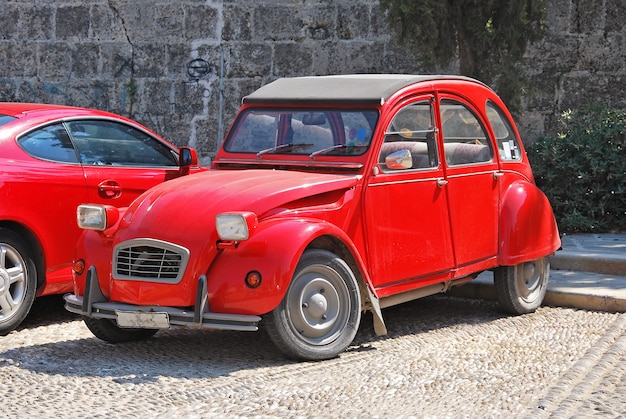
x=443, y=357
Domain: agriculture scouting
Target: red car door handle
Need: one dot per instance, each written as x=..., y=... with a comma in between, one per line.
x=109, y=189
x=441, y=182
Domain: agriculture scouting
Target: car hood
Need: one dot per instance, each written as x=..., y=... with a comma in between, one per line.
x=187, y=205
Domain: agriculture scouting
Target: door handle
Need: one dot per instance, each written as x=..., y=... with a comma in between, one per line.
x=497, y=175
x=441, y=182
x=109, y=189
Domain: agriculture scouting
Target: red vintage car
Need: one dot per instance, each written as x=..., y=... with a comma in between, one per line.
x=330, y=196
x=53, y=158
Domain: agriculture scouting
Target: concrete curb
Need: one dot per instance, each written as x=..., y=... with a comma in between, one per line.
x=555, y=298
x=607, y=263
x=584, y=301
x=582, y=290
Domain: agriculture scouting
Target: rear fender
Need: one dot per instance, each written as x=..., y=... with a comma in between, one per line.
x=274, y=251
x=528, y=230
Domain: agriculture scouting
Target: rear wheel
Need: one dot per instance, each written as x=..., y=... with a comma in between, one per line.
x=321, y=311
x=522, y=288
x=18, y=280
x=108, y=331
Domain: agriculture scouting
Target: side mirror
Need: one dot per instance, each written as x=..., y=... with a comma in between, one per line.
x=399, y=160
x=187, y=157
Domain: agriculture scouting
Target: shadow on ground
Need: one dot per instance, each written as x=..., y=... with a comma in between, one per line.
x=186, y=353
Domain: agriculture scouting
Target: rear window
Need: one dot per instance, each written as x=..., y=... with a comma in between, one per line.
x=49, y=143
x=508, y=144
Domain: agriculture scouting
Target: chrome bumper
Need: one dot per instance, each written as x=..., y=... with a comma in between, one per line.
x=94, y=304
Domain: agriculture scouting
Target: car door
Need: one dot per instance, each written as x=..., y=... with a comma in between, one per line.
x=42, y=191
x=472, y=182
x=120, y=161
x=408, y=234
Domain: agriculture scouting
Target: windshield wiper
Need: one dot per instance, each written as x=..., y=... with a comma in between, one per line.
x=327, y=149
x=283, y=147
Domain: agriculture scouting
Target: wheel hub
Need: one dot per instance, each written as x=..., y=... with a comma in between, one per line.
x=316, y=305
x=529, y=272
x=4, y=281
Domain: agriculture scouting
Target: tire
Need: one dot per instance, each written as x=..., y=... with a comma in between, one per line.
x=108, y=331
x=522, y=288
x=321, y=311
x=18, y=280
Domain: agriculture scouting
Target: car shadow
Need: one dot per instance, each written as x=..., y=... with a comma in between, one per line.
x=45, y=311
x=190, y=353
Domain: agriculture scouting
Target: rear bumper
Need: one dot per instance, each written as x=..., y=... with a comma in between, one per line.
x=94, y=304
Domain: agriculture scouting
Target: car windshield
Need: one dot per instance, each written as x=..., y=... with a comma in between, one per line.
x=5, y=119
x=311, y=132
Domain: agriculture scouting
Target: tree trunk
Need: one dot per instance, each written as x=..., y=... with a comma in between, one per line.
x=467, y=58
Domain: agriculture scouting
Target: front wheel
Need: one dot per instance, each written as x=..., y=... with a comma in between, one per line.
x=321, y=311
x=18, y=280
x=108, y=331
x=522, y=288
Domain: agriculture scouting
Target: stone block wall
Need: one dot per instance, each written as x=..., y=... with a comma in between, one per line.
x=181, y=67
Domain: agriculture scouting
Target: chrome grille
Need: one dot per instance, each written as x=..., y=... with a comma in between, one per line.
x=149, y=260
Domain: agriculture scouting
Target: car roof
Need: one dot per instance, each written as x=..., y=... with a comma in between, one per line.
x=365, y=89
x=33, y=114
x=18, y=108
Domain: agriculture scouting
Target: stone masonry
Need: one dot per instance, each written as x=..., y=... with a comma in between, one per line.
x=181, y=67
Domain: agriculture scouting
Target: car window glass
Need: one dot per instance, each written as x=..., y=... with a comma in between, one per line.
x=5, y=119
x=465, y=139
x=508, y=145
x=290, y=131
x=411, y=137
x=113, y=143
x=49, y=143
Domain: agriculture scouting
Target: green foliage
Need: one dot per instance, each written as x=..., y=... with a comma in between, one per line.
x=488, y=36
x=582, y=170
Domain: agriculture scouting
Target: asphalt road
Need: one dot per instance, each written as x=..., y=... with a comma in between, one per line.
x=443, y=357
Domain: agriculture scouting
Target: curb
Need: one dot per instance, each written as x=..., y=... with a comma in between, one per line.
x=554, y=298
x=608, y=264
x=580, y=293
x=586, y=302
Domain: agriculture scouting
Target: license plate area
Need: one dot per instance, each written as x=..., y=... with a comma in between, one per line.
x=142, y=320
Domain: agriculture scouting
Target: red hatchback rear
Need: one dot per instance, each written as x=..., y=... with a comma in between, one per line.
x=53, y=158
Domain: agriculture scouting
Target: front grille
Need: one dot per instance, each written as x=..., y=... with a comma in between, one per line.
x=149, y=260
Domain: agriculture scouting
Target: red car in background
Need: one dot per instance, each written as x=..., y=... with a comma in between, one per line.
x=330, y=196
x=53, y=158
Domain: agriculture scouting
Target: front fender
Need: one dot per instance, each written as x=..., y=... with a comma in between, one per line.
x=274, y=251
x=528, y=229
x=94, y=248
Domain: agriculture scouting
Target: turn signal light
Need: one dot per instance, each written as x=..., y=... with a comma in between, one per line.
x=79, y=267
x=253, y=279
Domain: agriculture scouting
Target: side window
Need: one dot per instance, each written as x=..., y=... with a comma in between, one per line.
x=410, y=139
x=465, y=139
x=508, y=145
x=5, y=119
x=49, y=143
x=113, y=143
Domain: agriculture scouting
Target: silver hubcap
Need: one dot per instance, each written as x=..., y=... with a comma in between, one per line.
x=12, y=281
x=318, y=305
x=530, y=279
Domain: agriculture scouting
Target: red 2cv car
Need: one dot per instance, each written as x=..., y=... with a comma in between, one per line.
x=330, y=196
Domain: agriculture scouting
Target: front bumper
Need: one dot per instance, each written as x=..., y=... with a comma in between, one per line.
x=94, y=304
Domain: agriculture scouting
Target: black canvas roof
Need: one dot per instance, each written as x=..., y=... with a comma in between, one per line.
x=371, y=89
